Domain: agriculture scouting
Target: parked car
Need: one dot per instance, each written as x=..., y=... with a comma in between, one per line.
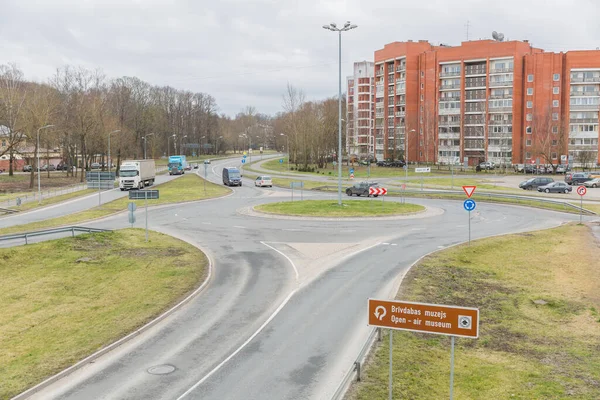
x=48, y=167
x=555, y=187
x=361, y=189
x=188, y=167
x=95, y=165
x=196, y=166
x=577, y=178
x=27, y=168
x=594, y=183
x=519, y=168
x=206, y=161
x=561, y=169
x=534, y=183
x=263, y=181
x=487, y=165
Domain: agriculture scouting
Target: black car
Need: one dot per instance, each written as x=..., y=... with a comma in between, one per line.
x=534, y=183
x=555, y=187
x=361, y=189
x=577, y=178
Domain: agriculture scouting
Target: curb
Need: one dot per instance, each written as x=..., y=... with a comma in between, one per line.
x=125, y=339
x=251, y=211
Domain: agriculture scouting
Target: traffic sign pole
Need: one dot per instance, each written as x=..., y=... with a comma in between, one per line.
x=451, y=366
x=390, y=386
x=581, y=191
x=469, y=227
x=146, y=200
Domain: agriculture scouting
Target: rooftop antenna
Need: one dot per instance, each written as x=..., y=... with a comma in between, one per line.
x=467, y=26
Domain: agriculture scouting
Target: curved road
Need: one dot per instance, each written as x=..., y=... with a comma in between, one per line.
x=284, y=314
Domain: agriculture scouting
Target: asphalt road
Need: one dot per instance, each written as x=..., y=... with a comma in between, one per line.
x=284, y=314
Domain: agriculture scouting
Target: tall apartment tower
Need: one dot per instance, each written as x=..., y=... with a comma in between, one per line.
x=486, y=100
x=359, y=110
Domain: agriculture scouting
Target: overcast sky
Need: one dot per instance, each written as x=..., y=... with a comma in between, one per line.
x=244, y=52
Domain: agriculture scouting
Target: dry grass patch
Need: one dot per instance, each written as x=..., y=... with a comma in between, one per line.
x=56, y=311
x=540, y=326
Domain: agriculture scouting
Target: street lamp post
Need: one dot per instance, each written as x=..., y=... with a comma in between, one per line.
x=37, y=152
x=217, y=149
x=333, y=27
x=181, y=144
x=201, y=146
x=249, y=144
x=168, y=148
x=145, y=140
x=287, y=138
x=109, y=160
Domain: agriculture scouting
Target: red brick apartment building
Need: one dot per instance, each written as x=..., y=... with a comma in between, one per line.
x=486, y=100
x=360, y=97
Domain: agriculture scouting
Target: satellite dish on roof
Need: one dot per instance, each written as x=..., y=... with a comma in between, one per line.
x=500, y=37
x=495, y=35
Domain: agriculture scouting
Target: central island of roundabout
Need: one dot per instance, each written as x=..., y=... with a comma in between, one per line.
x=331, y=209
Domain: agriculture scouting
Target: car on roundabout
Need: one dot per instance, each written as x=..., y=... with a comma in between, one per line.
x=263, y=181
x=594, y=183
x=555, y=187
x=361, y=189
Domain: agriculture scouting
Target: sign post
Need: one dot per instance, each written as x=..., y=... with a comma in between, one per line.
x=425, y=318
x=469, y=205
x=144, y=194
x=422, y=171
x=205, y=176
x=374, y=191
x=581, y=191
x=297, y=185
x=351, y=171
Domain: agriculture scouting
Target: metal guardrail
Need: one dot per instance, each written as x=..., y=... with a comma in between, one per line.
x=71, y=229
x=8, y=210
x=360, y=359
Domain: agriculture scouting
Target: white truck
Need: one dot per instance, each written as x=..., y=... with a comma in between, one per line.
x=136, y=174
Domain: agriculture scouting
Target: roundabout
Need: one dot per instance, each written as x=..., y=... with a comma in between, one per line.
x=348, y=209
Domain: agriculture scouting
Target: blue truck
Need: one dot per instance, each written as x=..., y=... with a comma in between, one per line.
x=177, y=165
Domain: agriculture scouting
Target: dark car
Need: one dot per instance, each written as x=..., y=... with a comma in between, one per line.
x=27, y=168
x=534, y=183
x=577, y=178
x=361, y=189
x=555, y=187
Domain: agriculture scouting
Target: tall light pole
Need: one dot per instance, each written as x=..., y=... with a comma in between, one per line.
x=217, y=150
x=168, y=148
x=181, y=143
x=201, y=146
x=333, y=27
x=109, y=160
x=288, y=148
x=249, y=144
x=37, y=153
x=145, y=140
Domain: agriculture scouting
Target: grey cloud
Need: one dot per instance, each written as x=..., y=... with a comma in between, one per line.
x=244, y=52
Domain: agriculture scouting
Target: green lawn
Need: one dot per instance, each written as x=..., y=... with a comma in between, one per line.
x=189, y=187
x=329, y=208
x=56, y=311
x=525, y=350
x=54, y=200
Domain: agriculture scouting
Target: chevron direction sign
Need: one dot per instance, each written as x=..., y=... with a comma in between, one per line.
x=377, y=191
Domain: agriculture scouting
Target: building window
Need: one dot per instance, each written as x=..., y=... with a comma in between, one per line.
x=530, y=91
x=555, y=129
x=554, y=142
x=528, y=142
x=529, y=117
x=528, y=155
x=530, y=104
x=421, y=97
x=556, y=77
x=554, y=116
x=555, y=90
x=554, y=103
x=554, y=156
x=422, y=85
x=530, y=78
x=528, y=130
x=422, y=74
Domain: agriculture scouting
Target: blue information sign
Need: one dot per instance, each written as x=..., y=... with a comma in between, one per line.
x=243, y=161
x=469, y=205
x=245, y=156
x=351, y=170
x=281, y=161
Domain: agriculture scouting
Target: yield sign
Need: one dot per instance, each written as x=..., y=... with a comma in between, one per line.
x=469, y=190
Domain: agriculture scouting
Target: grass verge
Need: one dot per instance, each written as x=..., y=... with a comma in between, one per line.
x=539, y=330
x=53, y=200
x=56, y=310
x=329, y=208
x=186, y=188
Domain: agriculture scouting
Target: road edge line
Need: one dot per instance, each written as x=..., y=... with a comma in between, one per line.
x=114, y=345
x=222, y=363
x=289, y=259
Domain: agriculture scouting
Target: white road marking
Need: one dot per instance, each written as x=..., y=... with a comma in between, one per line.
x=394, y=244
x=207, y=223
x=385, y=244
x=201, y=381
x=289, y=259
x=239, y=226
x=417, y=229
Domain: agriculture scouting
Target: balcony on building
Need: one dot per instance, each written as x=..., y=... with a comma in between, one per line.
x=500, y=109
x=583, y=120
x=501, y=83
x=450, y=74
x=501, y=70
x=400, y=89
x=401, y=67
x=475, y=68
x=450, y=86
x=592, y=93
x=379, y=71
x=400, y=113
x=501, y=122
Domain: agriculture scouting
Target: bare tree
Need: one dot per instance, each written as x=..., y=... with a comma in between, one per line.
x=12, y=99
x=549, y=137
